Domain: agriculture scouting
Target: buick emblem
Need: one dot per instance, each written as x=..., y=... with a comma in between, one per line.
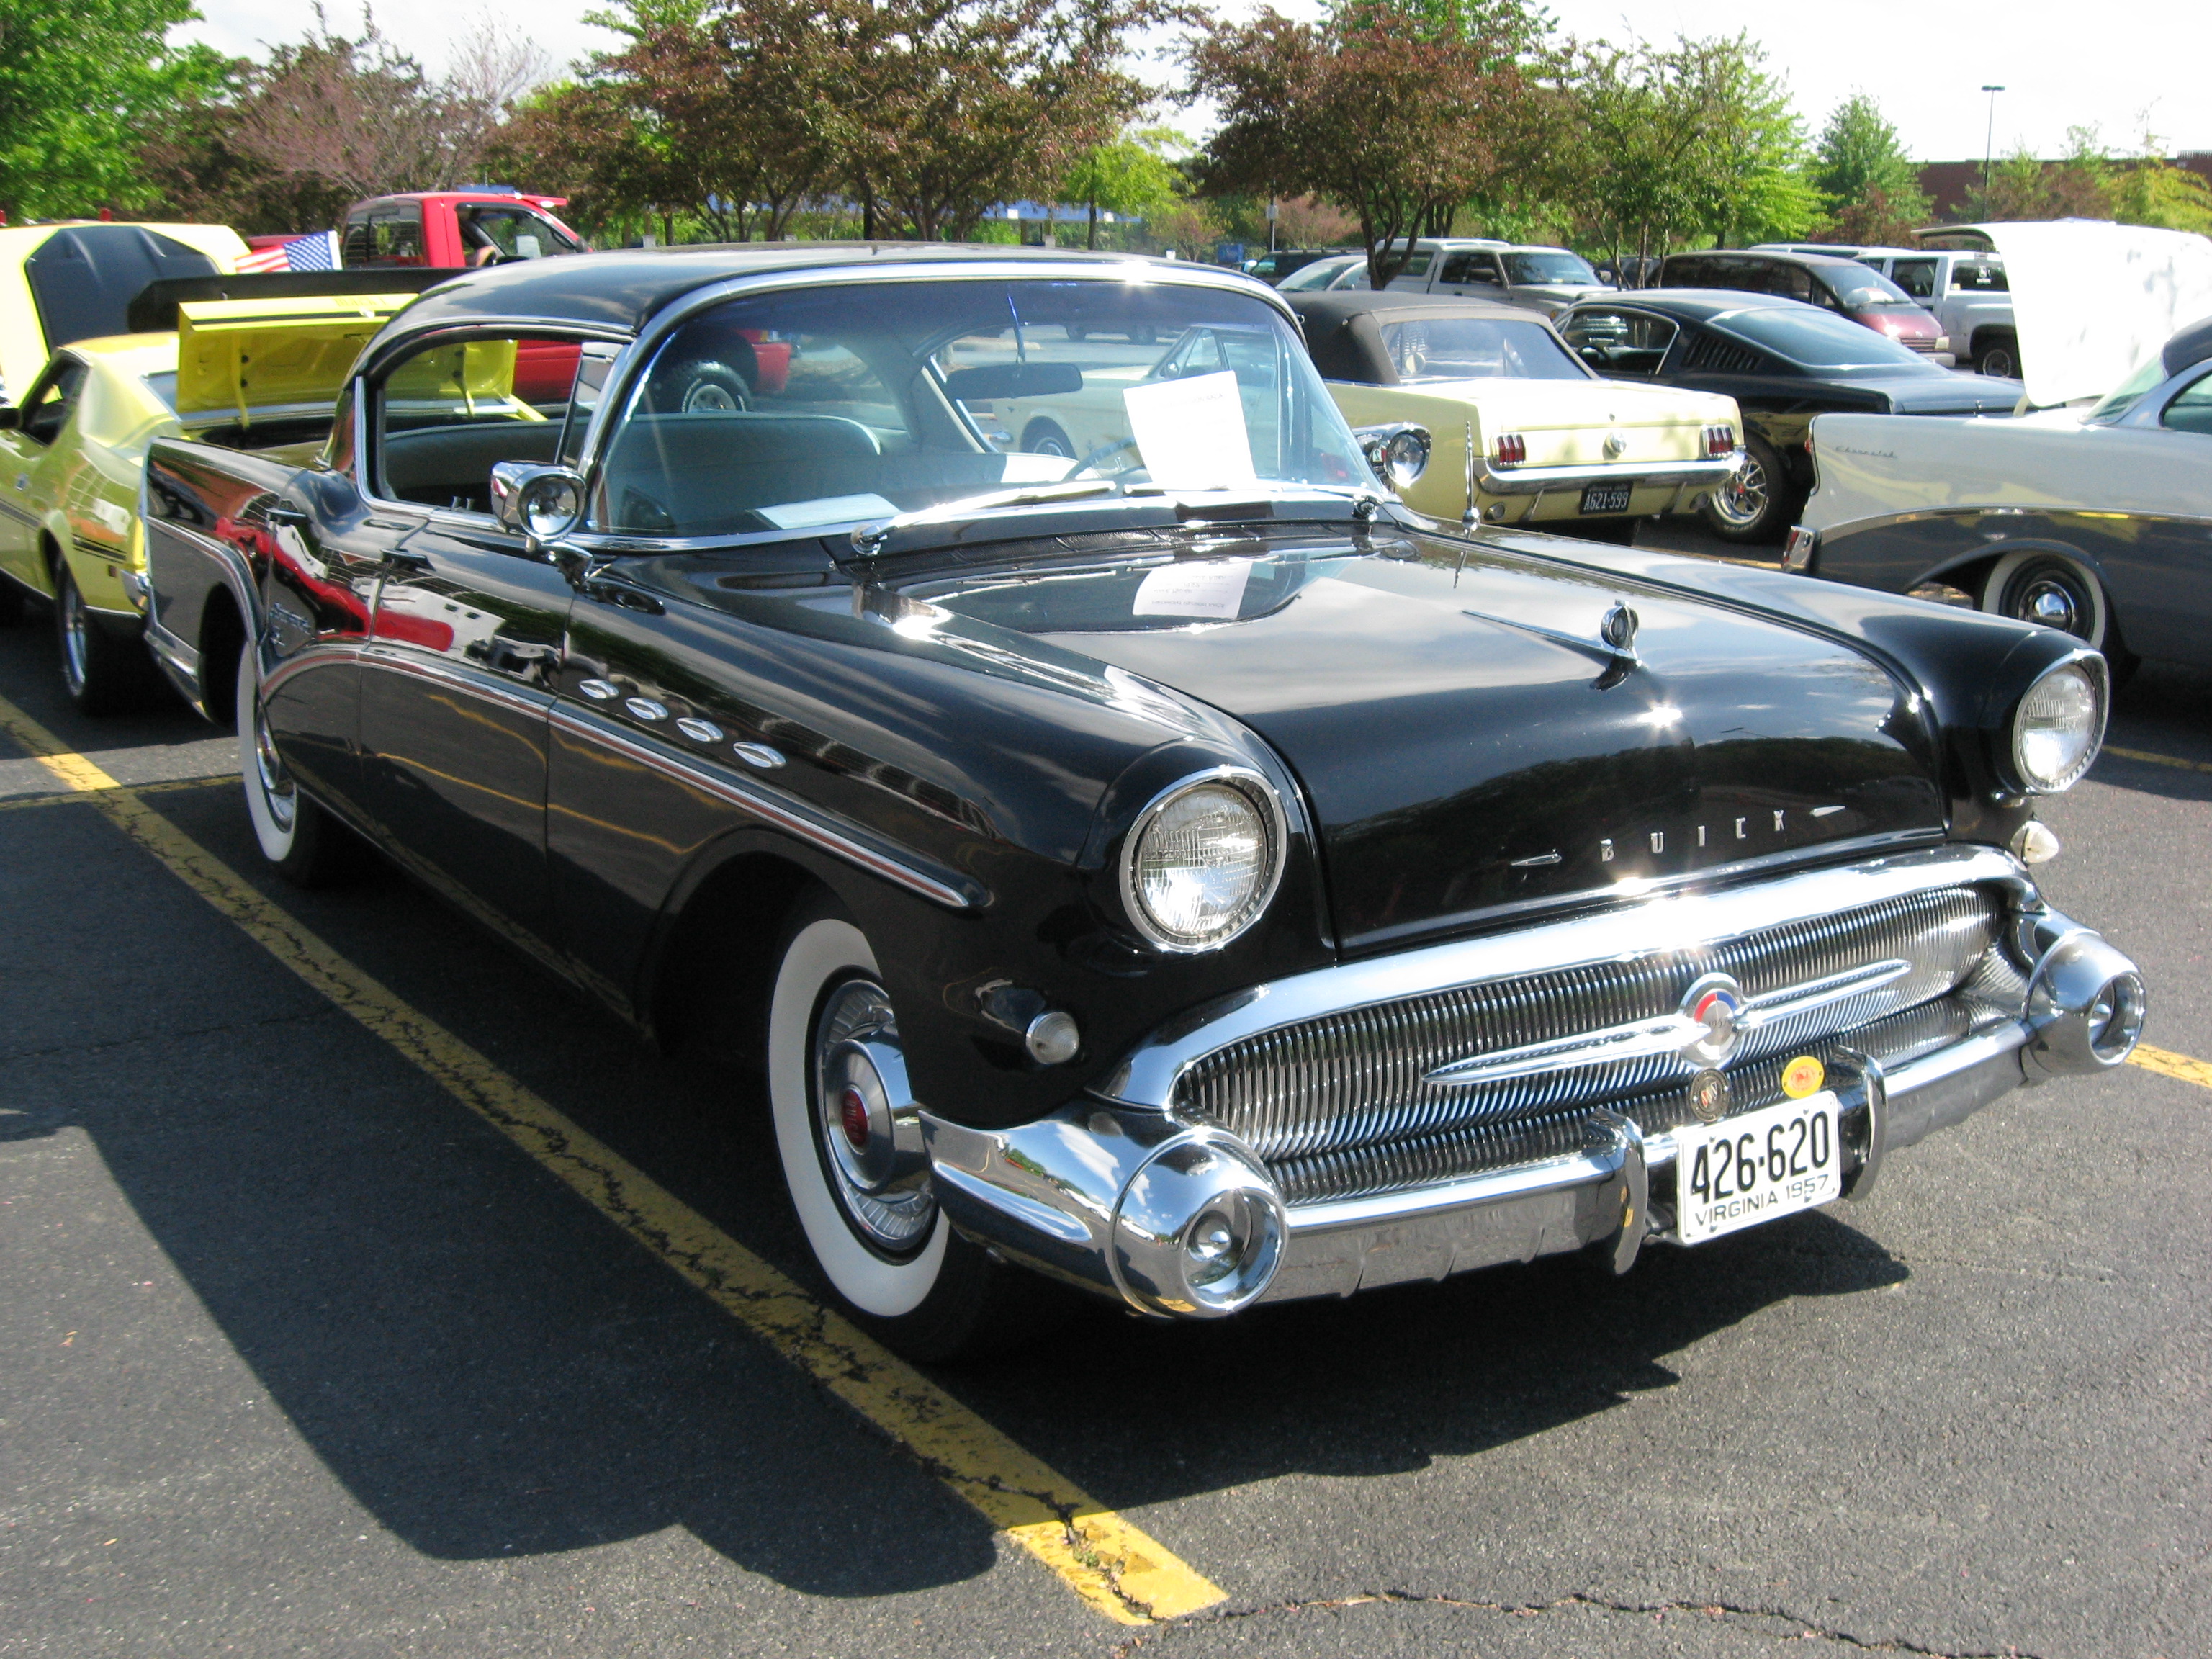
x=1709, y=1096
x=1713, y=1006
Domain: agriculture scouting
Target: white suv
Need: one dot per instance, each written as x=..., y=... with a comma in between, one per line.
x=1546, y=279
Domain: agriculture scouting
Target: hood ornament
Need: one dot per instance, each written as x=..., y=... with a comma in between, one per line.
x=1615, y=642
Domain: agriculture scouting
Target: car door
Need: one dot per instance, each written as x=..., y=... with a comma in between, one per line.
x=2166, y=602
x=466, y=637
x=31, y=458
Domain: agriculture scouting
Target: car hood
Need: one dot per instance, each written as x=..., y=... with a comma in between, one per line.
x=1468, y=745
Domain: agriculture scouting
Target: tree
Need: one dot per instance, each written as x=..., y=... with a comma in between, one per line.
x=79, y=84
x=1399, y=113
x=2017, y=189
x=2154, y=191
x=1130, y=176
x=1870, y=186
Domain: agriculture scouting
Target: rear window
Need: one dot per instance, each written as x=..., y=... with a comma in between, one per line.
x=1558, y=268
x=1820, y=339
x=1477, y=348
x=83, y=279
x=1981, y=276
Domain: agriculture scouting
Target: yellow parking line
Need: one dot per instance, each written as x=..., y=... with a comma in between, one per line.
x=2159, y=760
x=2166, y=1063
x=82, y=797
x=1112, y=1565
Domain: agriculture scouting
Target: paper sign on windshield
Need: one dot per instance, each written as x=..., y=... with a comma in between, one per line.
x=1214, y=588
x=1190, y=433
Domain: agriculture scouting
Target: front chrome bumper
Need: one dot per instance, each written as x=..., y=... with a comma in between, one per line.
x=1109, y=1192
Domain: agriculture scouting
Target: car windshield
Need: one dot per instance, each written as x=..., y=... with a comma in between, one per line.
x=843, y=403
x=1320, y=273
x=1820, y=339
x=1564, y=268
x=1867, y=290
x=2115, y=403
x=1478, y=348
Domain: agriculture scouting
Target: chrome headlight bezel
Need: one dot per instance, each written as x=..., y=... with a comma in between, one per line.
x=1260, y=793
x=2090, y=666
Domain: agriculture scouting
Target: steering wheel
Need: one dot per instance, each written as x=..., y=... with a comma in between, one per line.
x=1112, y=447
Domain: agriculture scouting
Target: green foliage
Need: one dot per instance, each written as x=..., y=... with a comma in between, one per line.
x=79, y=82
x=2154, y=191
x=1859, y=155
x=1131, y=177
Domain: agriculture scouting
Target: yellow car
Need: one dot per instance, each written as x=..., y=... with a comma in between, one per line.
x=71, y=454
x=61, y=283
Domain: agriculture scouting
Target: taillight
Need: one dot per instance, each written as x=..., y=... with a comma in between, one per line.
x=1512, y=449
x=1720, y=440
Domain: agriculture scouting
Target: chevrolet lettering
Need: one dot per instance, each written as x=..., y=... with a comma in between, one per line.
x=1162, y=866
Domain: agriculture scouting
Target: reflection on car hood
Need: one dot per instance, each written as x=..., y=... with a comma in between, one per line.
x=1946, y=393
x=1462, y=758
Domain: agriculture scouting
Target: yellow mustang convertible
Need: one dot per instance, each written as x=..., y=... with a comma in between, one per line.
x=72, y=450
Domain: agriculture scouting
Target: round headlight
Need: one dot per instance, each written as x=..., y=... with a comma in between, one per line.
x=1202, y=861
x=2057, y=729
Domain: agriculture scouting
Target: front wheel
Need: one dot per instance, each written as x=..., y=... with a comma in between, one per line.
x=1046, y=438
x=1756, y=502
x=848, y=1137
x=307, y=845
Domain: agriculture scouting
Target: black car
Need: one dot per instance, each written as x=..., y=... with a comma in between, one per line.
x=1843, y=286
x=1271, y=268
x=1783, y=363
x=1173, y=871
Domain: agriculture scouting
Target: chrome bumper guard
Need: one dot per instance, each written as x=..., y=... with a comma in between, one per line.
x=1177, y=1217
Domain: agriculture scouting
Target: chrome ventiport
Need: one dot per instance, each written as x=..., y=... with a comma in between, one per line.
x=2085, y=1008
x=1197, y=1230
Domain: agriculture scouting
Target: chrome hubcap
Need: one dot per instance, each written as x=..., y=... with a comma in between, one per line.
x=74, y=651
x=276, y=783
x=2054, y=602
x=1743, y=497
x=869, y=1128
x=707, y=396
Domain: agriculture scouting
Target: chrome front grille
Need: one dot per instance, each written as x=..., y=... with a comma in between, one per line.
x=1355, y=1079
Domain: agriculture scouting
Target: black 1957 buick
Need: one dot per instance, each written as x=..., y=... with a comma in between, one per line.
x=1176, y=870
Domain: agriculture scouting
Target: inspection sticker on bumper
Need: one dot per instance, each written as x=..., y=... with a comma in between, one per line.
x=1744, y=1171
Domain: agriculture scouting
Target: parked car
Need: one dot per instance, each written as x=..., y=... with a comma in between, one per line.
x=1968, y=292
x=71, y=455
x=486, y=225
x=60, y=283
x=1842, y=286
x=1782, y=362
x=1629, y=271
x=1194, y=879
x=1339, y=273
x=1541, y=278
x=1522, y=431
x=1273, y=267
x=2097, y=528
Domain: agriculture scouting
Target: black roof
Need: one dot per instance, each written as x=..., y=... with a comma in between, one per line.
x=2189, y=348
x=1696, y=304
x=1809, y=261
x=1324, y=306
x=620, y=290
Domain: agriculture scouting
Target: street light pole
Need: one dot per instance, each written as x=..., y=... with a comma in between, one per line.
x=1989, y=140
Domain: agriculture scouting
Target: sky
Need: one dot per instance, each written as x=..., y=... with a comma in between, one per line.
x=2134, y=62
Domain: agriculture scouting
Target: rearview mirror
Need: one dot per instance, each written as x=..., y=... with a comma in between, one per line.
x=973, y=385
x=536, y=502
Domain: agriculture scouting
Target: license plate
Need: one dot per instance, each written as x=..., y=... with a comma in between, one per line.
x=1752, y=1169
x=1607, y=497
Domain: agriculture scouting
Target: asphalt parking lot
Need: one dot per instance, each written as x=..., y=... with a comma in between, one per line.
x=368, y=1291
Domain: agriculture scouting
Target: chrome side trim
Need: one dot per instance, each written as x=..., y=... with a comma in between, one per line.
x=1534, y=480
x=311, y=657
x=1147, y=1077
x=848, y=842
x=491, y=689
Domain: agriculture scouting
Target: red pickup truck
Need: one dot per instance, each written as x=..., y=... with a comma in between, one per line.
x=488, y=225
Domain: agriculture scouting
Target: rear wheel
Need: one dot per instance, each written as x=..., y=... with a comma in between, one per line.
x=1757, y=501
x=102, y=674
x=307, y=845
x=1999, y=355
x=1046, y=438
x=853, y=1163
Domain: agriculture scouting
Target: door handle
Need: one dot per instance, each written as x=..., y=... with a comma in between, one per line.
x=285, y=516
x=401, y=558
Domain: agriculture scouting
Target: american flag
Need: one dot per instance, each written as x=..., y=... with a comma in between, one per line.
x=318, y=252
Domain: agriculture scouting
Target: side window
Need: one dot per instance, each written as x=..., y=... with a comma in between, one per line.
x=2192, y=411
x=1458, y=268
x=1978, y=277
x=1418, y=265
x=446, y=414
x=47, y=409
x=1792, y=282
x=492, y=234
x=359, y=249
x=595, y=362
x=1619, y=342
x=395, y=236
x=1490, y=271
x=1916, y=276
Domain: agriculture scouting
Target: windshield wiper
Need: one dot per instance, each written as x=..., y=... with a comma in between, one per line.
x=870, y=540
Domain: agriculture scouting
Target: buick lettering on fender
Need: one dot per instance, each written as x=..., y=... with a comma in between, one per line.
x=1174, y=870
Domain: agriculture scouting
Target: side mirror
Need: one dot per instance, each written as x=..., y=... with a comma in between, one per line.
x=1398, y=453
x=536, y=502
